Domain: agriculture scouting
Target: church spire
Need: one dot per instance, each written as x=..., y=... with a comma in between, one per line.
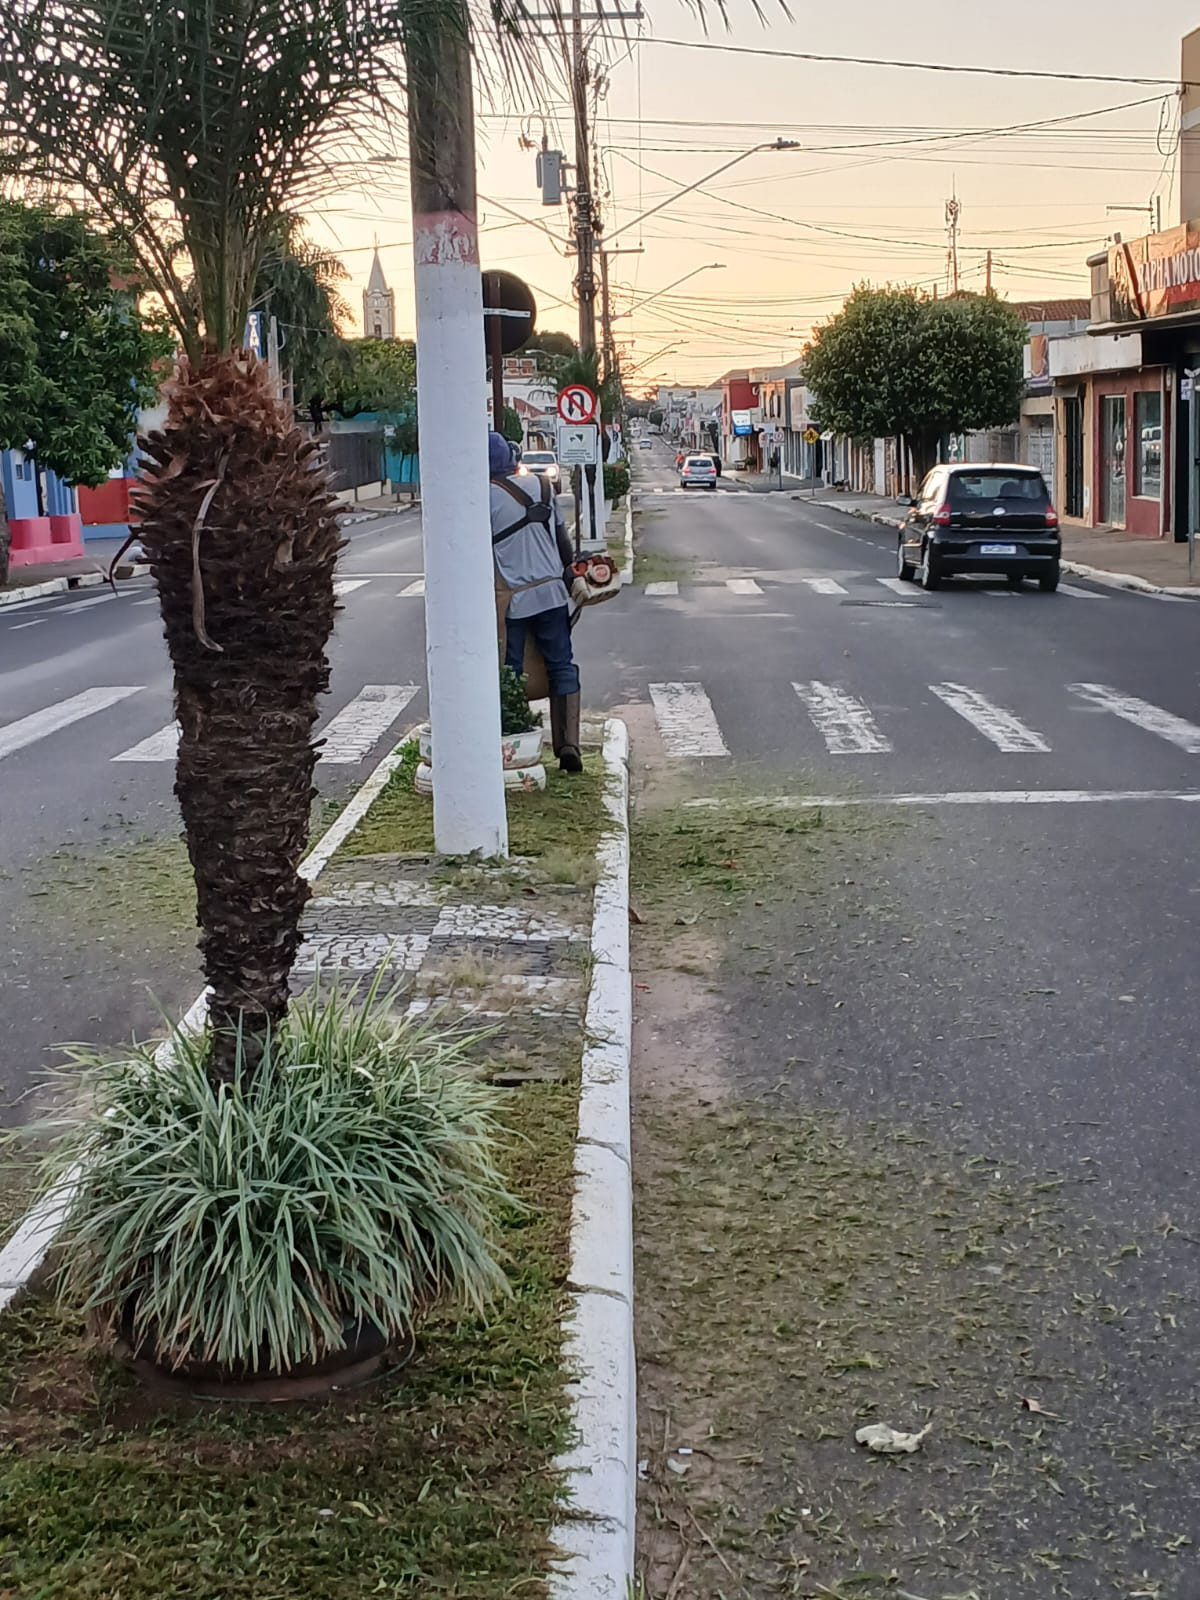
x=379, y=304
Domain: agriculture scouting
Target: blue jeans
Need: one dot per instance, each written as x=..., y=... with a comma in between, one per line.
x=553, y=634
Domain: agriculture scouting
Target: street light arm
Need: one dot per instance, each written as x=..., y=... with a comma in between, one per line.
x=711, y=266
x=775, y=144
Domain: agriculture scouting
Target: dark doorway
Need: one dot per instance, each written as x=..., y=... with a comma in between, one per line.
x=1073, y=426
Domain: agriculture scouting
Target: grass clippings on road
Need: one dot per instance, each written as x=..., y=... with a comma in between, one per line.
x=435, y=1482
x=802, y=1272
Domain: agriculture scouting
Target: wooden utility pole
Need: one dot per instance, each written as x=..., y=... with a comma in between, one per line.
x=585, y=218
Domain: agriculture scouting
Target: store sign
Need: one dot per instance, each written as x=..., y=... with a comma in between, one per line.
x=1155, y=276
x=743, y=423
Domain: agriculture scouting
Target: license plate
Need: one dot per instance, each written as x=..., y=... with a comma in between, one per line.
x=997, y=549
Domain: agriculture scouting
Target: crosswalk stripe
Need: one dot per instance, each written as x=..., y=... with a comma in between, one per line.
x=825, y=586
x=842, y=720
x=662, y=591
x=417, y=587
x=84, y=605
x=360, y=725
x=1004, y=730
x=1150, y=718
x=1076, y=593
x=742, y=586
x=897, y=586
x=348, y=585
x=40, y=724
x=686, y=722
x=160, y=746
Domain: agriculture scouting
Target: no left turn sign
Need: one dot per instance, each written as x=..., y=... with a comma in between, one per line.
x=577, y=403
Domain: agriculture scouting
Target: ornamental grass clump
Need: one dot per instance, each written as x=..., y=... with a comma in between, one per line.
x=348, y=1178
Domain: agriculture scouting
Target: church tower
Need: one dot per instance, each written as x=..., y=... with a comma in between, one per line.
x=379, y=305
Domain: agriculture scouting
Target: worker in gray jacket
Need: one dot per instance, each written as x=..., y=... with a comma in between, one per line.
x=534, y=557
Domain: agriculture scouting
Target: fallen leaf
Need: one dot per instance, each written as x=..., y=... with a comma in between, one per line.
x=634, y=915
x=885, y=1440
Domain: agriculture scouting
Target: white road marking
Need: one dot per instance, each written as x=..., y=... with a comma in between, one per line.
x=360, y=725
x=842, y=720
x=1152, y=719
x=686, y=721
x=35, y=622
x=825, y=586
x=1077, y=593
x=1000, y=594
x=348, y=585
x=40, y=724
x=1004, y=730
x=85, y=605
x=956, y=797
x=742, y=586
x=897, y=586
x=662, y=590
x=160, y=746
x=153, y=601
x=413, y=589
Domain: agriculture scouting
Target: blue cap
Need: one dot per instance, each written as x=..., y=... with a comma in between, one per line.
x=500, y=455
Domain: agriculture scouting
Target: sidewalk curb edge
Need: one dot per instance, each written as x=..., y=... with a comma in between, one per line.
x=1126, y=580
x=596, y=1534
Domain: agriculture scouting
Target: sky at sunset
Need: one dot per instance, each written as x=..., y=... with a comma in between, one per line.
x=883, y=148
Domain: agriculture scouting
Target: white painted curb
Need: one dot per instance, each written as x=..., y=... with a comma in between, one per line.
x=39, y=591
x=28, y=1246
x=626, y=573
x=597, y=1538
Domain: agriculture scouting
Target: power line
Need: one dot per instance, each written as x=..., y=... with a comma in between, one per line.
x=917, y=66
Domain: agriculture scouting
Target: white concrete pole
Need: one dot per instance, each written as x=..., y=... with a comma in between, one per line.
x=460, y=605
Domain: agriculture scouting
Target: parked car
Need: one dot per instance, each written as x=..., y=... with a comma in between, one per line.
x=542, y=463
x=698, y=472
x=996, y=520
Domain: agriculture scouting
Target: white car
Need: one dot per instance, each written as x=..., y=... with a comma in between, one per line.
x=645, y=444
x=698, y=472
x=542, y=463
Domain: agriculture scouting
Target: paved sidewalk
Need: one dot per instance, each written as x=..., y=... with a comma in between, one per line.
x=1099, y=553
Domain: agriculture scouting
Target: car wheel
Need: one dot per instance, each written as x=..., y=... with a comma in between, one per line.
x=1048, y=581
x=712, y=486
x=904, y=569
x=931, y=577
x=1014, y=580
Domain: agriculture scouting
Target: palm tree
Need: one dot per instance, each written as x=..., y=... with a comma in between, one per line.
x=196, y=129
x=298, y=284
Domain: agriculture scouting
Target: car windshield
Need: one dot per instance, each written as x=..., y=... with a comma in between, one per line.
x=972, y=487
x=698, y=461
x=539, y=458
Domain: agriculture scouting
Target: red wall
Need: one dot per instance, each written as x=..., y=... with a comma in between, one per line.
x=1145, y=519
x=108, y=503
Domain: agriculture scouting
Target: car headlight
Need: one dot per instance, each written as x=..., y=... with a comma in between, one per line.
x=552, y=472
x=522, y=470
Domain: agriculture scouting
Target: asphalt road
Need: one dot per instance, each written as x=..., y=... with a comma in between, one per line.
x=1044, y=1001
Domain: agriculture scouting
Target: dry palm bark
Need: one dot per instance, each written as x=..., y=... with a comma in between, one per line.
x=239, y=526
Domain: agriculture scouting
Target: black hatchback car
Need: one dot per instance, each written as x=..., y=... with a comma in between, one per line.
x=995, y=520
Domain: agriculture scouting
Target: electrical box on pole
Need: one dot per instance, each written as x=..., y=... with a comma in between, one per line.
x=550, y=175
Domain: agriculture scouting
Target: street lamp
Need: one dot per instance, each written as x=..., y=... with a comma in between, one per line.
x=712, y=266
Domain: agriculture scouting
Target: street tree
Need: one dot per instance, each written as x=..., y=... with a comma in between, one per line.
x=896, y=362
x=376, y=375
x=197, y=129
x=77, y=356
x=510, y=425
x=299, y=284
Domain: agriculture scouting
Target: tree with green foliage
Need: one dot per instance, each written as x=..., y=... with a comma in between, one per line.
x=299, y=284
x=510, y=426
x=896, y=362
x=77, y=357
x=548, y=348
x=655, y=418
x=377, y=375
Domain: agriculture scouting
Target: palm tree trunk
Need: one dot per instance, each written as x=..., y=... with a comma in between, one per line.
x=239, y=527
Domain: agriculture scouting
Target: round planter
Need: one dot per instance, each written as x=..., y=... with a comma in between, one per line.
x=516, y=749
x=366, y=1354
x=528, y=778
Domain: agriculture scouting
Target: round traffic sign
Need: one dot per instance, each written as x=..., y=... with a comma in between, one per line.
x=577, y=403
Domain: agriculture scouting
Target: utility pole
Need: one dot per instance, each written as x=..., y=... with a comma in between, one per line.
x=607, y=351
x=988, y=289
x=460, y=604
x=585, y=220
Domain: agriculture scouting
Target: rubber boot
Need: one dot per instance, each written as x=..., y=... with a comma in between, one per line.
x=564, y=731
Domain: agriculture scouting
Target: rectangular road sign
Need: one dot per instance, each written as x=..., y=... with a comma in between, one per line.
x=578, y=444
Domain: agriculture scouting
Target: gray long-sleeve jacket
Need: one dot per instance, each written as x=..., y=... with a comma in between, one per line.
x=533, y=557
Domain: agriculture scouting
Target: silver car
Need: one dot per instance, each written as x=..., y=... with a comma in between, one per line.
x=698, y=472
